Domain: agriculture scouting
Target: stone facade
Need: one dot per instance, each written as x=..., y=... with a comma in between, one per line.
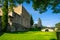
x=19, y=20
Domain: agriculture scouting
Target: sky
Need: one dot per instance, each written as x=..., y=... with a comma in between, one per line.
x=48, y=18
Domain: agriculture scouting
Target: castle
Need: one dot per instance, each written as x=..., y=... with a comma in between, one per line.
x=19, y=20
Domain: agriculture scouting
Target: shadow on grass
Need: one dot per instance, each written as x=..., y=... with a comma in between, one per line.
x=33, y=29
x=1, y=33
x=52, y=39
x=18, y=32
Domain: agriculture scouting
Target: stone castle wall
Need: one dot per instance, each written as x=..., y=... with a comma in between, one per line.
x=19, y=20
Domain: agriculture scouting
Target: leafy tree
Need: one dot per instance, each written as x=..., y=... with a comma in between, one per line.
x=5, y=15
x=58, y=26
x=58, y=30
x=31, y=21
x=43, y=5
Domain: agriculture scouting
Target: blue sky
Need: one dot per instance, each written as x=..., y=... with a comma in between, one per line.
x=48, y=18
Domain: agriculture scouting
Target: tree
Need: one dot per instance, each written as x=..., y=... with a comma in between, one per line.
x=43, y=5
x=31, y=21
x=5, y=15
x=58, y=30
x=57, y=26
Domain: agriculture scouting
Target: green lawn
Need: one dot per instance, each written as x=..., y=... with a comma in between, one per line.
x=31, y=35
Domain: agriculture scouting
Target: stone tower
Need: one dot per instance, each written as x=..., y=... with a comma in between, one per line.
x=39, y=23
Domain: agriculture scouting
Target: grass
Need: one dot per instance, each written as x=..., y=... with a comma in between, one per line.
x=31, y=35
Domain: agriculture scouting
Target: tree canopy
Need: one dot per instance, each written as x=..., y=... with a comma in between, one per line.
x=43, y=5
x=58, y=26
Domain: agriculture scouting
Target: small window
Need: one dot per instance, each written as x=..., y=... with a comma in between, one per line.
x=10, y=19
